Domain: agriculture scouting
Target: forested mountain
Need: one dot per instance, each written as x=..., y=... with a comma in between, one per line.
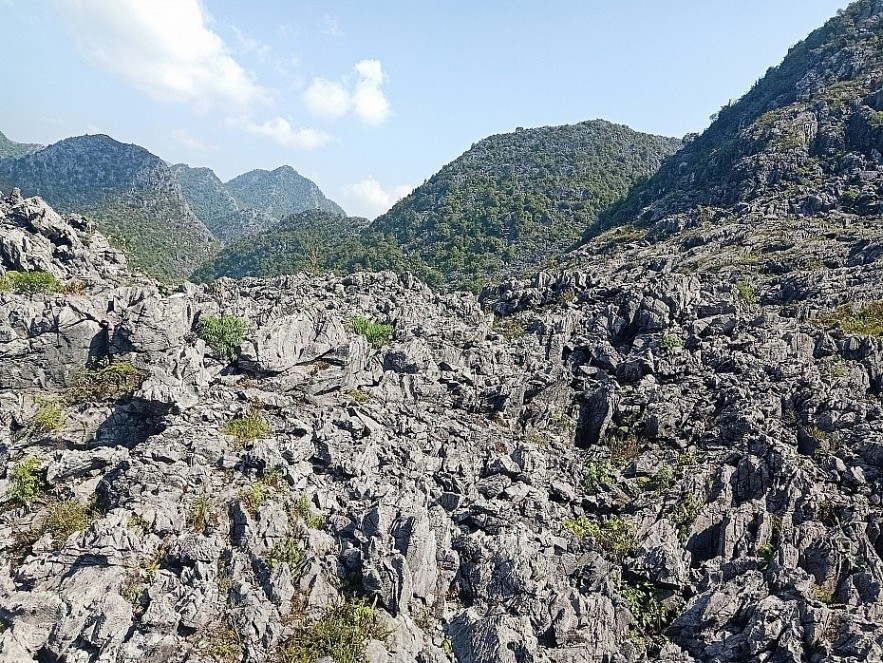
x=315, y=241
x=806, y=139
x=280, y=192
x=508, y=204
x=11, y=149
x=129, y=192
x=216, y=207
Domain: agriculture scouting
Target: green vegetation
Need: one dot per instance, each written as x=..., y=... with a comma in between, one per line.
x=671, y=343
x=50, y=415
x=28, y=283
x=867, y=321
x=341, y=633
x=9, y=149
x=112, y=379
x=645, y=605
x=286, y=551
x=378, y=334
x=597, y=474
x=301, y=510
x=249, y=427
x=684, y=514
x=224, y=333
x=203, y=513
x=254, y=495
x=225, y=645
x=65, y=518
x=745, y=291
x=614, y=534
x=26, y=481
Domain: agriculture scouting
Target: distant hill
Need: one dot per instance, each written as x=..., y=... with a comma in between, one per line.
x=806, y=139
x=216, y=207
x=508, y=204
x=280, y=192
x=129, y=192
x=11, y=149
x=513, y=200
x=315, y=241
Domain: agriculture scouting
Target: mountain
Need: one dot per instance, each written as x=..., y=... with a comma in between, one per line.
x=11, y=149
x=315, y=241
x=279, y=192
x=129, y=192
x=210, y=200
x=805, y=140
x=514, y=200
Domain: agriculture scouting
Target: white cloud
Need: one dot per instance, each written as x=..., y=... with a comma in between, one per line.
x=282, y=131
x=162, y=47
x=326, y=98
x=369, y=197
x=186, y=140
x=331, y=99
x=332, y=26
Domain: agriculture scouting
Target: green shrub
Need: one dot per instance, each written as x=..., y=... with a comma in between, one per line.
x=746, y=292
x=223, y=333
x=302, y=510
x=249, y=427
x=288, y=551
x=203, y=513
x=867, y=321
x=254, y=495
x=65, y=518
x=49, y=416
x=114, y=380
x=670, y=343
x=29, y=283
x=26, y=481
x=614, y=534
x=596, y=475
x=377, y=333
x=684, y=514
x=645, y=605
x=226, y=645
x=342, y=633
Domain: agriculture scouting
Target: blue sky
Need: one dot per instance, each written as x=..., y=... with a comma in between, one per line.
x=369, y=99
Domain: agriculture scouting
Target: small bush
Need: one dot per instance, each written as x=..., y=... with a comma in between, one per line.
x=65, y=518
x=29, y=283
x=596, y=475
x=378, y=334
x=26, y=481
x=203, y=513
x=49, y=416
x=644, y=603
x=867, y=321
x=115, y=380
x=614, y=534
x=670, y=343
x=684, y=514
x=223, y=333
x=302, y=510
x=746, y=292
x=341, y=633
x=247, y=428
x=254, y=495
x=226, y=645
x=288, y=551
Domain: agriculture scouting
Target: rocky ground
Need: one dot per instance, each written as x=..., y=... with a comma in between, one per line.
x=670, y=450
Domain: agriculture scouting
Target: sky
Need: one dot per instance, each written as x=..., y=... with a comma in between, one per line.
x=369, y=99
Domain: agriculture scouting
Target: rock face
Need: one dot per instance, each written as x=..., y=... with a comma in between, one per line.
x=630, y=460
x=280, y=192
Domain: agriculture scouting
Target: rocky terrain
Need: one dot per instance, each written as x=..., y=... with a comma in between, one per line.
x=667, y=448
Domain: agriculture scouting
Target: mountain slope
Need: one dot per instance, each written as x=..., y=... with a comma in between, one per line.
x=210, y=200
x=11, y=149
x=314, y=241
x=279, y=192
x=513, y=200
x=806, y=139
x=128, y=191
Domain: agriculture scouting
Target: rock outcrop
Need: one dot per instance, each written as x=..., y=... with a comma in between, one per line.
x=644, y=459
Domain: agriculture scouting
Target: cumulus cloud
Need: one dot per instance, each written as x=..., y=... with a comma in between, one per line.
x=370, y=198
x=162, y=47
x=282, y=131
x=333, y=99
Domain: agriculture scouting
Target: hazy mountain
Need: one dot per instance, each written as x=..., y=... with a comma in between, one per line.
x=128, y=191
x=280, y=192
x=11, y=149
x=216, y=207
